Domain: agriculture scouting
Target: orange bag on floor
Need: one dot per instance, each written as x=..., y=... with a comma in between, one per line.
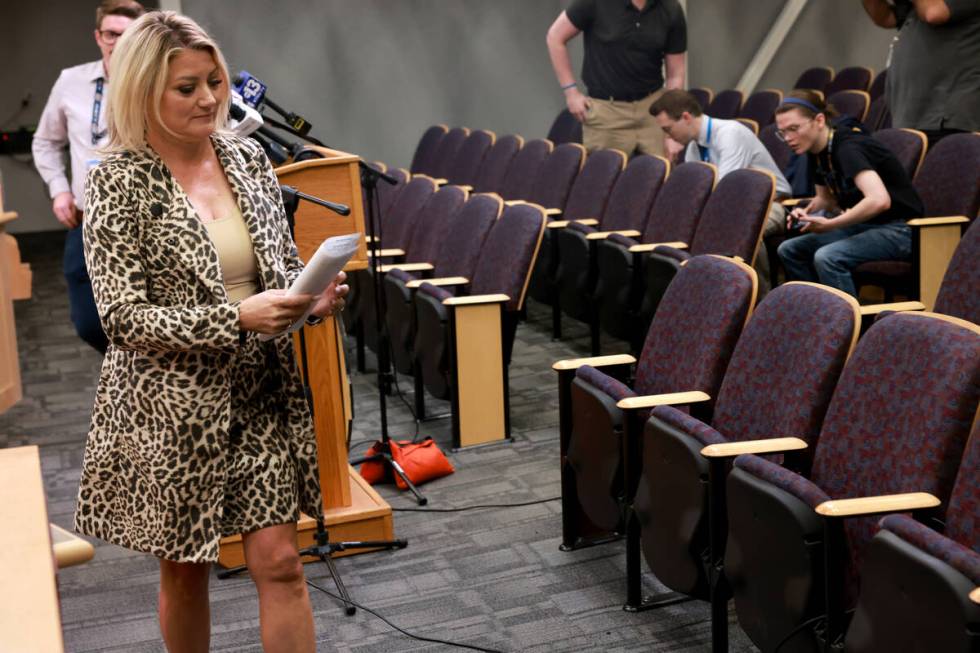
x=421, y=461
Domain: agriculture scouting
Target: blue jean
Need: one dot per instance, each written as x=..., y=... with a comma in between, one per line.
x=830, y=257
x=84, y=314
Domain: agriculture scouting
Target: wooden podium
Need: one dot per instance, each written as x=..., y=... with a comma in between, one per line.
x=352, y=510
x=15, y=283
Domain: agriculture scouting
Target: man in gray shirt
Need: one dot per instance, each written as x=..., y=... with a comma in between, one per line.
x=934, y=77
x=727, y=144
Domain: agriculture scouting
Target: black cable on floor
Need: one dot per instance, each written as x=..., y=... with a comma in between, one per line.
x=401, y=630
x=479, y=507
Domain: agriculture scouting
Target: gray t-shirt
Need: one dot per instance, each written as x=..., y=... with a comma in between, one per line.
x=934, y=79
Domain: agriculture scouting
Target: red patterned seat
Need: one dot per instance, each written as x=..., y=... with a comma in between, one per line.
x=524, y=169
x=491, y=176
x=469, y=158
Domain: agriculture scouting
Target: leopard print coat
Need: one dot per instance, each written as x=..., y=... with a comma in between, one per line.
x=158, y=474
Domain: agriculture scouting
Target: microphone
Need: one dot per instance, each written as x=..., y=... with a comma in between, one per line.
x=253, y=92
x=277, y=155
x=290, y=194
x=298, y=151
x=244, y=119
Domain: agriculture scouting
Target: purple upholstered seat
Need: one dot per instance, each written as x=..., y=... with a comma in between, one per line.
x=444, y=156
x=908, y=145
x=469, y=157
x=703, y=96
x=815, y=78
x=877, y=89
x=959, y=292
x=495, y=166
x=553, y=183
x=726, y=105
x=852, y=78
x=702, y=314
x=761, y=107
x=898, y=422
x=565, y=129
x=388, y=193
x=915, y=581
x=949, y=185
x=436, y=219
x=851, y=103
x=524, y=169
x=781, y=152
x=423, y=161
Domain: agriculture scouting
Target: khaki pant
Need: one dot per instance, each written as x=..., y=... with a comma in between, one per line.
x=626, y=126
x=775, y=224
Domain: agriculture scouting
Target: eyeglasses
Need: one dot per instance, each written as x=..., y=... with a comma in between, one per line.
x=109, y=36
x=792, y=129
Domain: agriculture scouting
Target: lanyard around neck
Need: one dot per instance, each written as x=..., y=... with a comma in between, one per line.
x=705, y=152
x=96, y=111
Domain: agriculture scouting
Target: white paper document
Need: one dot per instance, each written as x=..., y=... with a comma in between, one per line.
x=327, y=262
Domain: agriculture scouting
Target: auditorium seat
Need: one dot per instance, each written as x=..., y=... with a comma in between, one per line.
x=761, y=107
x=851, y=103
x=457, y=253
x=897, y=424
x=726, y=105
x=565, y=129
x=444, y=156
x=490, y=179
x=879, y=117
x=701, y=316
x=916, y=582
x=703, y=96
x=396, y=231
x=749, y=124
x=949, y=187
x=730, y=225
x=463, y=344
x=908, y=145
x=621, y=271
x=469, y=158
x=626, y=213
x=423, y=161
x=779, y=382
x=877, y=89
x=523, y=170
x=852, y=78
x=777, y=147
x=815, y=79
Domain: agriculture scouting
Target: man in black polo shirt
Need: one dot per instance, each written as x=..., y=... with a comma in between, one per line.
x=627, y=45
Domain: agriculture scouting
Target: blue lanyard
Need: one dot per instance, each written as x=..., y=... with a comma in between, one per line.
x=705, y=153
x=96, y=110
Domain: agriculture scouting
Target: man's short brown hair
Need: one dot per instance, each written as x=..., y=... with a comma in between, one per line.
x=674, y=103
x=128, y=8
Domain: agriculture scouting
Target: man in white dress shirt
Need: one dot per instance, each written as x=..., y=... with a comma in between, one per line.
x=75, y=117
x=727, y=144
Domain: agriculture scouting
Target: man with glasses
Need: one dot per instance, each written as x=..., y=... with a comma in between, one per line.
x=726, y=144
x=74, y=116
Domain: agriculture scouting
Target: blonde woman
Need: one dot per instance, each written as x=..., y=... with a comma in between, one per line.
x=199, y=429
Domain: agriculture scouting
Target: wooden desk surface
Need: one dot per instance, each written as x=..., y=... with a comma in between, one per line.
x=29, y=615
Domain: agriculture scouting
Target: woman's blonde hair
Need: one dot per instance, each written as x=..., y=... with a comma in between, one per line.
x=138, y=70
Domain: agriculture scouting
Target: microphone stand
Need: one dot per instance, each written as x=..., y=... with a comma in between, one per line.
x=324, y=548
x=369, y=183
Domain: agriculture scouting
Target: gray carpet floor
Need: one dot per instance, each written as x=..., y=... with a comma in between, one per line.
x=492, y=578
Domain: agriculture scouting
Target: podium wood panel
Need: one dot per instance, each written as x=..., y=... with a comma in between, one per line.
x=30, y=618
x=336, y=178
x=352, y=510
x=12, y=282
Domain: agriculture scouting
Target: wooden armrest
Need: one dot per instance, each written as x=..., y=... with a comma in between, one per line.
x=441, y=181
x=466, y=187
x=438, y=281
x=649, y=247
x=383, y=253
x=369, y=239
x=514, y=202
x=552, y=211
x=770, y=445
x=557, y=224
x=69, y=549
x=588, y=222
x=937, y=222
x=795, y=201
x=7, y=216
x=863, y=506
x=405, y=267
x=668, y=399
x=876, y=309
x=476, y=299
x=602, y=235
x=594, y=361
x=975, y=595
